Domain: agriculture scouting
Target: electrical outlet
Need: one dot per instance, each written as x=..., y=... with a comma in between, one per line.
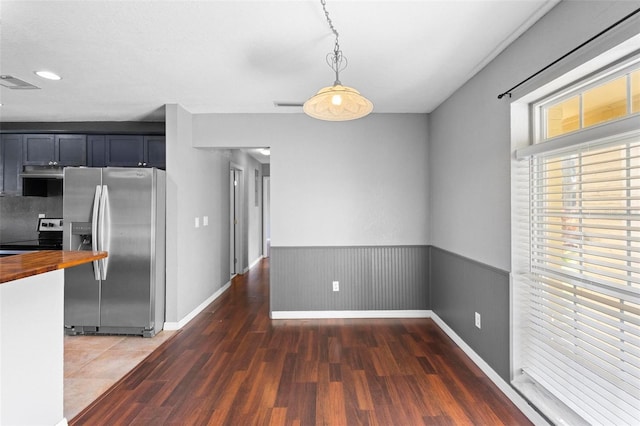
x=336, y=286
x=478, y=320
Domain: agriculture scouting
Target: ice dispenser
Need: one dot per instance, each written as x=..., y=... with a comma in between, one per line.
x=81, y=236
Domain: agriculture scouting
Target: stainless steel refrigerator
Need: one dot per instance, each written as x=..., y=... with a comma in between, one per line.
x=121, y=211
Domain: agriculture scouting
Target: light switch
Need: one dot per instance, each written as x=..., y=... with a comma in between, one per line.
x=205, y=220
x=197, y=222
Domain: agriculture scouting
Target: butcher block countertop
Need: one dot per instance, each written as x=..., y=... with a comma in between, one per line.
x=39, y=262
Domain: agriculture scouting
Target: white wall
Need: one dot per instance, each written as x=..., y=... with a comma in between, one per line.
x=197, y=186
x=470, y=134
x=336, y=184
x=32, y=350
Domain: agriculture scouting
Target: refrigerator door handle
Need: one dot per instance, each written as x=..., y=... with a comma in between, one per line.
x=105, y=229
x=94, y=230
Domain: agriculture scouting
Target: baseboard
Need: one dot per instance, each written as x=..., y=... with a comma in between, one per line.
x=350, y=314
x=255, y=262
x=511, y=393
x=184, y=321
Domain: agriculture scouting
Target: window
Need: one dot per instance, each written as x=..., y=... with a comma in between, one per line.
x=578, y=287
x=611, y=97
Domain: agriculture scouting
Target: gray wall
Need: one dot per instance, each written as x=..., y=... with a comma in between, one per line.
x=469, y=174
x=252, y=212
x=197, y=186
x=357, y=183
x=461, y=287
x=373, y=183
x=340, y=192
x=370, y=278
x=19, y=216
x=469, y=134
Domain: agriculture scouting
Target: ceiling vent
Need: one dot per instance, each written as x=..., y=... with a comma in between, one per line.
x=15, y=83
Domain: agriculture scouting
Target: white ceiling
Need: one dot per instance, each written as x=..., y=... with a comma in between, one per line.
x=124, y=60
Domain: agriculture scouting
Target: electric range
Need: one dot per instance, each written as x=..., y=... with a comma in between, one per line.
x=49, y=238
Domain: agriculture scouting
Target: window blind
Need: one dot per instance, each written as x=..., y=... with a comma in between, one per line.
x=582, y=291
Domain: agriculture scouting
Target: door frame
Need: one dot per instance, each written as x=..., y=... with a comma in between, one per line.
x=266, y=215
x=236, y=173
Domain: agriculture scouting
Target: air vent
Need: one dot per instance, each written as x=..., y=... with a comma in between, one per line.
x=15, y=83
x=288, y=104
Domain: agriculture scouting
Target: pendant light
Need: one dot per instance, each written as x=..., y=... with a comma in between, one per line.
x=337, y=102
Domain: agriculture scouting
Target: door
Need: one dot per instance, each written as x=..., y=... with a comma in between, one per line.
x=81, y=289
x=266, y=219
x=235, y=224
x=126, y=226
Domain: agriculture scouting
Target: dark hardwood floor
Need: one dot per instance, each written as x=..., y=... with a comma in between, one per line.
x=232, y=365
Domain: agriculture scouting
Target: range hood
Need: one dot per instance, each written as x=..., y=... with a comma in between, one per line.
x=42, y=181
x=42, y=172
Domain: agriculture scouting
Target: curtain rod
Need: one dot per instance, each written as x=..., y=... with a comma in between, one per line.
x=508, y=92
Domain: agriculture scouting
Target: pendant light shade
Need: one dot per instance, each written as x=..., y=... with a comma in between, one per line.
x=337, y=103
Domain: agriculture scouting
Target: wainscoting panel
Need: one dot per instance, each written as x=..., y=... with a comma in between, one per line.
x=460, y=287
x=371, y=278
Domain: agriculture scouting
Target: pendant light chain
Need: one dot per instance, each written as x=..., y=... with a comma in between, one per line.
x=333, y=29
x=336, y=61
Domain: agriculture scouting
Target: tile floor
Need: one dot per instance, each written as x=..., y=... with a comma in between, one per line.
x=92, y=364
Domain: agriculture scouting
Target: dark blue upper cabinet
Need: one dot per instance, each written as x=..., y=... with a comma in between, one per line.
x=155, y=152
x=135, y=151
x=11, y=164
x=96, y=152
x=72, y=150
x=39, y=150
x=124, y=150
x=54, y=150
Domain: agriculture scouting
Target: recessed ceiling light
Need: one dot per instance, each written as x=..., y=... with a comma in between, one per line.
x=48, y=75
x=265, y=151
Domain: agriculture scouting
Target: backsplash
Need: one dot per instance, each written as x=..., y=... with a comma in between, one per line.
x=19, y=216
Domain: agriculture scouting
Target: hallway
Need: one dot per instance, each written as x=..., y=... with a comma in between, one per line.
x=233, y=365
